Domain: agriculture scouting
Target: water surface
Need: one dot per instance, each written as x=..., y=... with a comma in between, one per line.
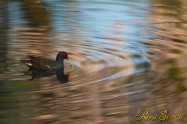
x=131, y=56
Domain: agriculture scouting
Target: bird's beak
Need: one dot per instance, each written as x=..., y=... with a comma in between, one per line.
x=68, y=58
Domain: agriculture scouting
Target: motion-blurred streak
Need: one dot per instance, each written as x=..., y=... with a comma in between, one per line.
x=36, y=12
x=3, y=33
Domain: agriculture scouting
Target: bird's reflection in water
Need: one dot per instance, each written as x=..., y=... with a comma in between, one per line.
x=45, y=73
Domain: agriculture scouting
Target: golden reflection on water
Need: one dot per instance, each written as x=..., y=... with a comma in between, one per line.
x=132, y=57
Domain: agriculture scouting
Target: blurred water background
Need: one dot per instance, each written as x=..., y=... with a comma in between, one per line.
x=132, y=56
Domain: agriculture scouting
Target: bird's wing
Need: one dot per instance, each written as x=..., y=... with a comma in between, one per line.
x=39, y=63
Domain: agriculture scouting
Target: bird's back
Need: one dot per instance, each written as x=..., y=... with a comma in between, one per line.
x=39, y=63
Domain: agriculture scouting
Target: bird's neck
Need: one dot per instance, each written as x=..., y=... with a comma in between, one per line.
x=60, y=63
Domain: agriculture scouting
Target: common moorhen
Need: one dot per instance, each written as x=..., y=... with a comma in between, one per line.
x=49, y=65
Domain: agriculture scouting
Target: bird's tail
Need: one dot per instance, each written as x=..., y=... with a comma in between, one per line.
x=27, y=62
